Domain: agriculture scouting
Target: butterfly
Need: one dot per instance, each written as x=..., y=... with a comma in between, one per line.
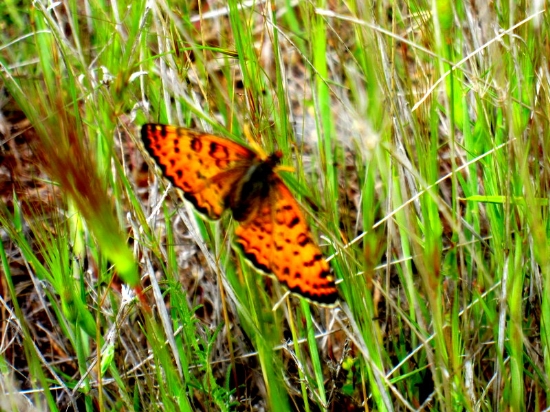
x=216, y=174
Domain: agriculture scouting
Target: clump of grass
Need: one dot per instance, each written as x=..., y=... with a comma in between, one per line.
x=417, y=137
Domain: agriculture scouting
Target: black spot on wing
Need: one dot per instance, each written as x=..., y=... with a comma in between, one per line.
x=303, y=239
x=196, y=145
x=293, y=222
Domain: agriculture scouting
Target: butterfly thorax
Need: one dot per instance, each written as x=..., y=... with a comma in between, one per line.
x=254, y=187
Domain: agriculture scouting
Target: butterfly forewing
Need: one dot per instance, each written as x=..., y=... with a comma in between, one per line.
x=205, y=167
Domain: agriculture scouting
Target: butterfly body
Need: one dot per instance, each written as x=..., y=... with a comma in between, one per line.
x=217, y=174
x=253, y=188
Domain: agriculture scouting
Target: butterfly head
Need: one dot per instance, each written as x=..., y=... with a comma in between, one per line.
x=275, y=158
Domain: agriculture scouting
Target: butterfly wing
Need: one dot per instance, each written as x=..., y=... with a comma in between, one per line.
x=205, y=167
x=276, y=240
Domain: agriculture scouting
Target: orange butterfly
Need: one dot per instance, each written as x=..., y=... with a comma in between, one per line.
x=216, y=174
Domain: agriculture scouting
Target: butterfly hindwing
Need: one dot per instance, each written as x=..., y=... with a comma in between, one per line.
x=277, y=240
